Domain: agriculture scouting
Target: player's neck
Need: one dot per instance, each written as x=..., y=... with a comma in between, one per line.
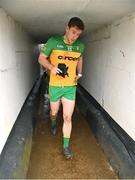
x=66, y=40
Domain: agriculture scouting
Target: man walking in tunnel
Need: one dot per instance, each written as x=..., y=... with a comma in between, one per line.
x=62, y=56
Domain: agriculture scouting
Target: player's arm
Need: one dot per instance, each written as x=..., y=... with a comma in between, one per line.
x=79, y=67
x=43, y=60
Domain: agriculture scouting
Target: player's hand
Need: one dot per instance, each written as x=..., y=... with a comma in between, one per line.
x=77, y=78
x=55, y=70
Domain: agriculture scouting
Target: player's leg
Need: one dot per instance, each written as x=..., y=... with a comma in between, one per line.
x=54, y=94
x=68, y=108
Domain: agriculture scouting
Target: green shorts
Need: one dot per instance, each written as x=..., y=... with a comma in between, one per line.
x=57, y=92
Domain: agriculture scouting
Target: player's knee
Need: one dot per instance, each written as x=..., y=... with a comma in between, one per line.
x=67, y=118
x=53, y=114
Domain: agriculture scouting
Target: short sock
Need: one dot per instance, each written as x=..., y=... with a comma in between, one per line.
x=65, y=142
x=53, y=122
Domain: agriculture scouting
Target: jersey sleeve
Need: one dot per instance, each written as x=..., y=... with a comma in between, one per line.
x=82, y=49
x=48, y=47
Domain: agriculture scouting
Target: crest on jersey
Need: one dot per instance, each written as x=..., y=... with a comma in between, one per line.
x=69, y=48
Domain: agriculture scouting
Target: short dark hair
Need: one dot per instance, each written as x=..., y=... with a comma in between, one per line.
x=75, y=21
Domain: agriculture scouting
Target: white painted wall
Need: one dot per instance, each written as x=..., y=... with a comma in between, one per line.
x=109, y=70
x=18, y=72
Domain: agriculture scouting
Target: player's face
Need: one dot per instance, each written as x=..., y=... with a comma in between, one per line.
x=72, y=34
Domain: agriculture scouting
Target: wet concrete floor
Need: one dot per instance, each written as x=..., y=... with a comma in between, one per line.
x=47, y=160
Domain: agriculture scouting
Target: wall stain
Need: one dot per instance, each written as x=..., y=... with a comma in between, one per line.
x=123, y=54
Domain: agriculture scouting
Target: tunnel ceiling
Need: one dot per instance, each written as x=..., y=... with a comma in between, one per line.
x=42, y=18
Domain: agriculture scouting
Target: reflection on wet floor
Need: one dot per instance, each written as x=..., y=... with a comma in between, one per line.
x=47, y=160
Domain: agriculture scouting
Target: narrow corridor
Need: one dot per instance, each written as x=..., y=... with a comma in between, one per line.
x=47, y=160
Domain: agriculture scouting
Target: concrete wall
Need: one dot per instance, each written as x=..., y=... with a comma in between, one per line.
x=109, y=70
x=18, y=72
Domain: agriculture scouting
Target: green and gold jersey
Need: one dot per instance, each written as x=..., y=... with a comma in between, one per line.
x=60, y=52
